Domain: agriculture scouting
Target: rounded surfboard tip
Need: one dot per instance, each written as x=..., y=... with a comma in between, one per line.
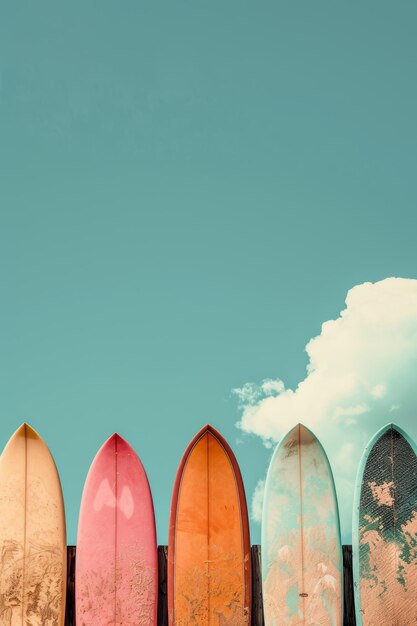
x=21, y=431
x=388, y=426
x=207, y=428
x=366, y=452
x=115, y=438
x=26, y=431
x=305, y=434
x=21, y=437
x=116, y=444
x=379, y=433
x=203, y=432
x=392, y=426
x=299, y=426
x=294, y=433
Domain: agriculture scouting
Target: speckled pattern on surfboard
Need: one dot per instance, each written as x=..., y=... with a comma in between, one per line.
x=301, y=545
x=385, y=531
x=32, y=534
x=116, y=564
x=209, y=569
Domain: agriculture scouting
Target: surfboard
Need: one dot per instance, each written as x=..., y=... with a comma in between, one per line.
x=209, y=567
x=385, y=531
x=33, y=546
x=301, y=544
x=116, y=564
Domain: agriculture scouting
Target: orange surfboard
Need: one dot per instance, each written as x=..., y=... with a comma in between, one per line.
x=32, y=534
x=209, y=568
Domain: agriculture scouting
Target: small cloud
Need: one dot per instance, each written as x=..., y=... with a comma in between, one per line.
x=248, y=394
x=257, y=501
x=379, y=391
x=271, y=387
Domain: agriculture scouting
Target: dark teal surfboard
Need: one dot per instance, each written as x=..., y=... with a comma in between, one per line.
x=385, y=531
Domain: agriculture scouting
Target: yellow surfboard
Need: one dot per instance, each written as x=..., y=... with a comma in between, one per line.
x=32, y=534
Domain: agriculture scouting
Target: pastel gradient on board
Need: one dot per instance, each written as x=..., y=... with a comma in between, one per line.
x=209, y=569
x=301, y=545
x=116, y=565
x=385, y=531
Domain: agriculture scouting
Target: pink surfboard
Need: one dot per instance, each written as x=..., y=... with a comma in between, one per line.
x=116, y=564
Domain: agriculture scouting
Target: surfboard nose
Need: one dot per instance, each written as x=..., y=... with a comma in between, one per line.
x=116, y=444
x=26, y=431
x=208, y=428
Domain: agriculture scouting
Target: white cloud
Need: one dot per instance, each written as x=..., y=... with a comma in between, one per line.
x=272, y=387
x=362, y=374
x=379, y=391
x=257, y=501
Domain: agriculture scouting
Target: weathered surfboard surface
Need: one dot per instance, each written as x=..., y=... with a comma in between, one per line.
x=117, y=563
x=209, y=565
x=301, y=545
x=385, y=532
x=32, y=534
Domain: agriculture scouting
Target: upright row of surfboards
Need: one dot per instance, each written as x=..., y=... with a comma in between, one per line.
x=209, y=564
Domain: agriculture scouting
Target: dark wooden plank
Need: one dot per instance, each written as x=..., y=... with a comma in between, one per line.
x=349, y=618
x=162, y=586
x=257, y=606
x=70, y=607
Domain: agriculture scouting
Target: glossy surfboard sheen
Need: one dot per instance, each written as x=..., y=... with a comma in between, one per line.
x=116, y=564
x=32, y=534
x=301, y=545
x=209, y=570
x=385, y=531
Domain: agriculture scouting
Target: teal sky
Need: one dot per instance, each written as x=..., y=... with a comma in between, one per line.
x=188, y=190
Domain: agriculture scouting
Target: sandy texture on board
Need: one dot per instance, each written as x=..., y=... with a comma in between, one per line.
x=209, y=558
x=32, y=535
x=301, y=550
x=116, y=565
x=122, y=593
x=388, y=533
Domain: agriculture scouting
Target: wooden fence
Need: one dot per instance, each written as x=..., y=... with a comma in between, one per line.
x=257, y=608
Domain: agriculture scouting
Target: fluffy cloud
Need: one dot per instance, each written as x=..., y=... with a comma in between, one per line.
x=362, y=374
